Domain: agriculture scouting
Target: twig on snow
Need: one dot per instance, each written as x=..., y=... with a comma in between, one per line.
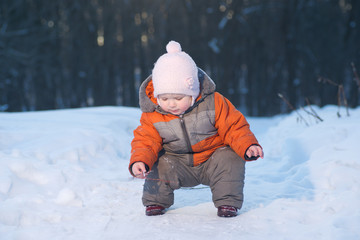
x=341, y=98
x=292, y=107
x=312, y=113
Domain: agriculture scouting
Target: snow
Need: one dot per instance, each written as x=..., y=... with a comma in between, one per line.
x=63, y=175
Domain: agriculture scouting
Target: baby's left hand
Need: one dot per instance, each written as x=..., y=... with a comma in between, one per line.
x=255, y=151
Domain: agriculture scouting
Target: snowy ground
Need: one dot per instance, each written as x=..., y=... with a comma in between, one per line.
x=63, y=175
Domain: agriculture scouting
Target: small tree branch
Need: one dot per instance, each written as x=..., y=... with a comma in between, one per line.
x=312, y=113
x=341, y=98
x=326, y=80
x=291, y=107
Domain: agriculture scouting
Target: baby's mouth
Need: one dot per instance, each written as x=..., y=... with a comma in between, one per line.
x=173, y=110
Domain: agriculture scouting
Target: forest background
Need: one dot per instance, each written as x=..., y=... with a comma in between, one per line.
x=80, y=53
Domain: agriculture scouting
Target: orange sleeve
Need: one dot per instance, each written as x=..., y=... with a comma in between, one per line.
x=146, y=143
x=232, y=126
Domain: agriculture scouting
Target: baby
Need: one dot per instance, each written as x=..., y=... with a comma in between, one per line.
x=189, y=134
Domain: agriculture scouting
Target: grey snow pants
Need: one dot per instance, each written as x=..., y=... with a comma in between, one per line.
x=224, y=172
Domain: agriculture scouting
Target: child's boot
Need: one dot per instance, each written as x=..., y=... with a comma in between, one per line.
x=154, y=210
x=227, y=211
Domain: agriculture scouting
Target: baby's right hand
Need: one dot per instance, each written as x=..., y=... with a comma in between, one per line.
x=139, y=170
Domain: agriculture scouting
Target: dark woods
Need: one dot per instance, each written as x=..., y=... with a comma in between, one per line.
x=78, y=53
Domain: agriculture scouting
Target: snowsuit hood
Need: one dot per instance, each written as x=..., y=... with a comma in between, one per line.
x=148, y=102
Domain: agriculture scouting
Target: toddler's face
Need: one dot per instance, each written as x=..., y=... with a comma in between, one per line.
x=175, y=103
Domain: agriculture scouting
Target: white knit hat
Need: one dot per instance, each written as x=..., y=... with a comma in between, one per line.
x=175, y=72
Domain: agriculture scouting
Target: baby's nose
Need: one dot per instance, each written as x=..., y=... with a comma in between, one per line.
x=172, y=103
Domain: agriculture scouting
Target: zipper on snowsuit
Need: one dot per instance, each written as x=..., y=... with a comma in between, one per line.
x=187, y=140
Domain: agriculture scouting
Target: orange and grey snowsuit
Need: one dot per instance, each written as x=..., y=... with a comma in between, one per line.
x=202, y=146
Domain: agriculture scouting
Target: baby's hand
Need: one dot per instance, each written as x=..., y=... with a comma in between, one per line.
x=254, y=152
x=139, y=170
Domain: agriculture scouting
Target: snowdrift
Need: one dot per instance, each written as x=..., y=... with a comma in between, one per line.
x=63, y=175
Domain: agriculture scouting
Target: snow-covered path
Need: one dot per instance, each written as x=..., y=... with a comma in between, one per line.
x=63, y=175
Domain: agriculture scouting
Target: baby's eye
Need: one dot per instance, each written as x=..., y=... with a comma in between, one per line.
x=164, y=99
x=179, y=98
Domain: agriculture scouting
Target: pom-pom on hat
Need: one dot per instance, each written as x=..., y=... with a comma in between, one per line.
x=175, y=72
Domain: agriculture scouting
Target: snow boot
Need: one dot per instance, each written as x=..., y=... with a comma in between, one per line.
x=227, y=211
x=154, y=210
